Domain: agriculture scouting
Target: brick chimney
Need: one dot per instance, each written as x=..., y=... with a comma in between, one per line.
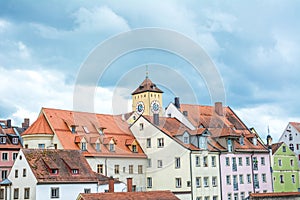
x=129, y=184
x=156, y=119
x=176, y=102
x=25, y=124
x=111, y=184
x=8, y=123
x=219, y=108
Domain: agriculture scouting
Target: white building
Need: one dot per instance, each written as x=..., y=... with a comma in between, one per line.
x=291, y=137
x=50, y=174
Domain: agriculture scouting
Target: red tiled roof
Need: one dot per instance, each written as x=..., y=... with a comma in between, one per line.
x=42, y=161
x=147, y=86
x=151, y=195
x=9, y=133
x=276, y=194
x=40, y=126
x=115, y=128
x=296, y=125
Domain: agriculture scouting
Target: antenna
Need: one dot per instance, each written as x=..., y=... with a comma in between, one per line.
x=147, y=72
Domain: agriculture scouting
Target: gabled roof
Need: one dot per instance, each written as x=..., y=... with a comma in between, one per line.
x=276, y=146
x=39, y=126
x=9, y=134
x=147, y=86
x=42, y=162
x=296, y=125
x=86, y=126
x=150, y=195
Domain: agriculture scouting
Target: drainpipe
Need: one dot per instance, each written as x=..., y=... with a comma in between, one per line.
x=253, y=184
x=271, y=169
x=191, y=175
x=105, y=166
x=220, y=174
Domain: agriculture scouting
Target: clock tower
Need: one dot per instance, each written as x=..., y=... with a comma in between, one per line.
x=147, y=99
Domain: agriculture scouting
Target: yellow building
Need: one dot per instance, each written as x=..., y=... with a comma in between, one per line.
x=147, y=99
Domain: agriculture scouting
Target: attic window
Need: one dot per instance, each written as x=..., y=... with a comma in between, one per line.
x=134, y=148
x=254, y=141
x=54, y=171
x=101, y=130
x=15, y=140
x=75, y=171
x=98, y=147
x=201, y=126
x=111, y=147
x=242, y=140
x=86, y=130
x=73, y=128
x=83, y=146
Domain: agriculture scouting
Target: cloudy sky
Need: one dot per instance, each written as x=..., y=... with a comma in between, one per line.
x=254, y=46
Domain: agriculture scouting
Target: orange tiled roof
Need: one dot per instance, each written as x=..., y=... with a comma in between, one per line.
x=276, y=194
x=9, y=133
x=276, y=146
x=296, y=125
x=147, y=86
x=151, y=195
x=39, y=126
x=42, y=162
x=87, y=126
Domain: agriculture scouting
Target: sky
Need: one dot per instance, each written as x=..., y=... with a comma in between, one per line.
x=253, y=45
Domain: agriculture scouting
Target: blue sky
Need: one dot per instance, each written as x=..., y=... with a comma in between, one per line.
x=253, y=44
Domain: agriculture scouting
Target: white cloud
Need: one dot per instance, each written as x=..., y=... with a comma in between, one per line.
x=4, y=25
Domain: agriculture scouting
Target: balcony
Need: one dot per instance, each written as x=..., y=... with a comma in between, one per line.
x=235, y=186
x=234, y=167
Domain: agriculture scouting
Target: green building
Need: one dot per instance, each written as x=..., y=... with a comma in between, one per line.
x=285, y=170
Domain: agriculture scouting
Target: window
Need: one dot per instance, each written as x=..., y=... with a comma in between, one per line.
x=229, y=196
x=98, y=147
x=234, y=166
x=87, y=190
x=215, y=197
x=130, y=169
x=214, y=181
x=54, y=171
x=292, y=147
x=262, y=161
x=149, y=162
x=134, y=148
x=177, y=163
x=4, y=156
x=73, y=128
x=16, y=193
x=112, y=147
x=188, y=183
x=1, y=193
x=2, y=140
x=279, y=162
x=41, y=146
x=290, y=137
x=178, y=182
x=228, y=180
x=205, y=182
x=229, y=145
x=15, y=155
x=254, y=140
x=240, y=161
x=198, y=198
x=198, y=181
x=205, y=161
x=26, y=193
x=255, y=163
x=281, y=179
x=197, y=159
x=203, y=142
x=248, y=178
x=297, y=145
x=213, y=161
x=293, y=178
x=55, y=192
x=15, y=140
x=141, y=126
x=26, y=146
x=16, y=173
x=242, y=140
x=186, y=140
x=117, y=169
x=24, y=172
x=86, y=130
x=236, y=196
x=83, y=146
x=140, y=169
x=159, y=164
x=75, y=171
x=227, y=161
x=292, y=162
x=242, y=195
x=160, y=142
x=148, y=142
x=283, y=149
x=241, y=177
x=4, y=174
x=247, y=161
x=100, y=169
x=149, y=182
x=264, y=178
x=206, y=198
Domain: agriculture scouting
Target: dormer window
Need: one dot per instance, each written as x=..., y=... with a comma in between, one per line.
x=229, y=145
x=185, y=139
x=73, y=128
x=2, y=140
x=54, y=171
x=242, y=140
x=86, y=130
x=83, y=146
x=98, y=147
x=134, y=148
x=75, y=171
x=202, y=142
x=15, y=140
x=111, y=147
x=254, y=140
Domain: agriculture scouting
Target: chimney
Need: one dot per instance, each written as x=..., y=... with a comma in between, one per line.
x=25, y=124
x=185, y=113
x=176, y=102
x=219, y=108
x=8, y=123
x=156, y=119
x=111, y=184
x=129, y=184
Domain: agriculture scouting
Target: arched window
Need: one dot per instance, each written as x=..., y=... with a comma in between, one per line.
x=292, y=147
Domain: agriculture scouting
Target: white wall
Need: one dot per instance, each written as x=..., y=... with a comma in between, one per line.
x=174, y=112
x=119, y=187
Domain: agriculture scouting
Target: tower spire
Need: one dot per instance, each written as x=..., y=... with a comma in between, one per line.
x=147, y=72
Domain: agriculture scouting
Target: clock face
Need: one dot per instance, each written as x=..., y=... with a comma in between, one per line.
x=155, y=107
x=140, y=107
